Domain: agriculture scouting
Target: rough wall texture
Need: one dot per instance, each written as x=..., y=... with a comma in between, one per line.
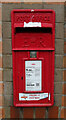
x=7, y=110
x=64, y=65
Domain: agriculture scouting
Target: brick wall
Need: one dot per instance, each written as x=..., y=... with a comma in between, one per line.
x=6, y=96
x=1, y=68
x=63, y=109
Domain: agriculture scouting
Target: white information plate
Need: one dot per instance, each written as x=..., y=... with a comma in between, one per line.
x=33, y=75
x=38, y=96
x=32, y=24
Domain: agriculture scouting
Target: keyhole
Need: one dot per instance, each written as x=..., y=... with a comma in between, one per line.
x=22, y=78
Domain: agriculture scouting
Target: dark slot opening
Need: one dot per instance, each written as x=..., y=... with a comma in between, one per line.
x=32, y=30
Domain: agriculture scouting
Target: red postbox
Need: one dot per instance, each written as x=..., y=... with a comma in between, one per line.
x=33, y=48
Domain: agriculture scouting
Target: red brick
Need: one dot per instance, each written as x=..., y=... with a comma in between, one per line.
x=28, y=113
x=1, y=88
x=14, y=112
x=1, y=61
x=53, y=112
x=1, y=100
x=40, y=112
x=0, y=47
x=2, y=113
x=64, y=88
x=65, y=30
x=1, y=75
x=64, y=101
x=64, y=75
x=64, y=61
x=64, y=47
x=63, y=113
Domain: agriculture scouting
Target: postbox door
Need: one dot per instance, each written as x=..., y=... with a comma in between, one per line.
x=46, y=59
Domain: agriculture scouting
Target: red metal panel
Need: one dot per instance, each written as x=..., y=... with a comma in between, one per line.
x=39, y=35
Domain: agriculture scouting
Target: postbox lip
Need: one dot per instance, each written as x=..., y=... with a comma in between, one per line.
x=32, y=10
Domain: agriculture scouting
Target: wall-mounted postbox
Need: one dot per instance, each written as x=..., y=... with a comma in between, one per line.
x=33, y=48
